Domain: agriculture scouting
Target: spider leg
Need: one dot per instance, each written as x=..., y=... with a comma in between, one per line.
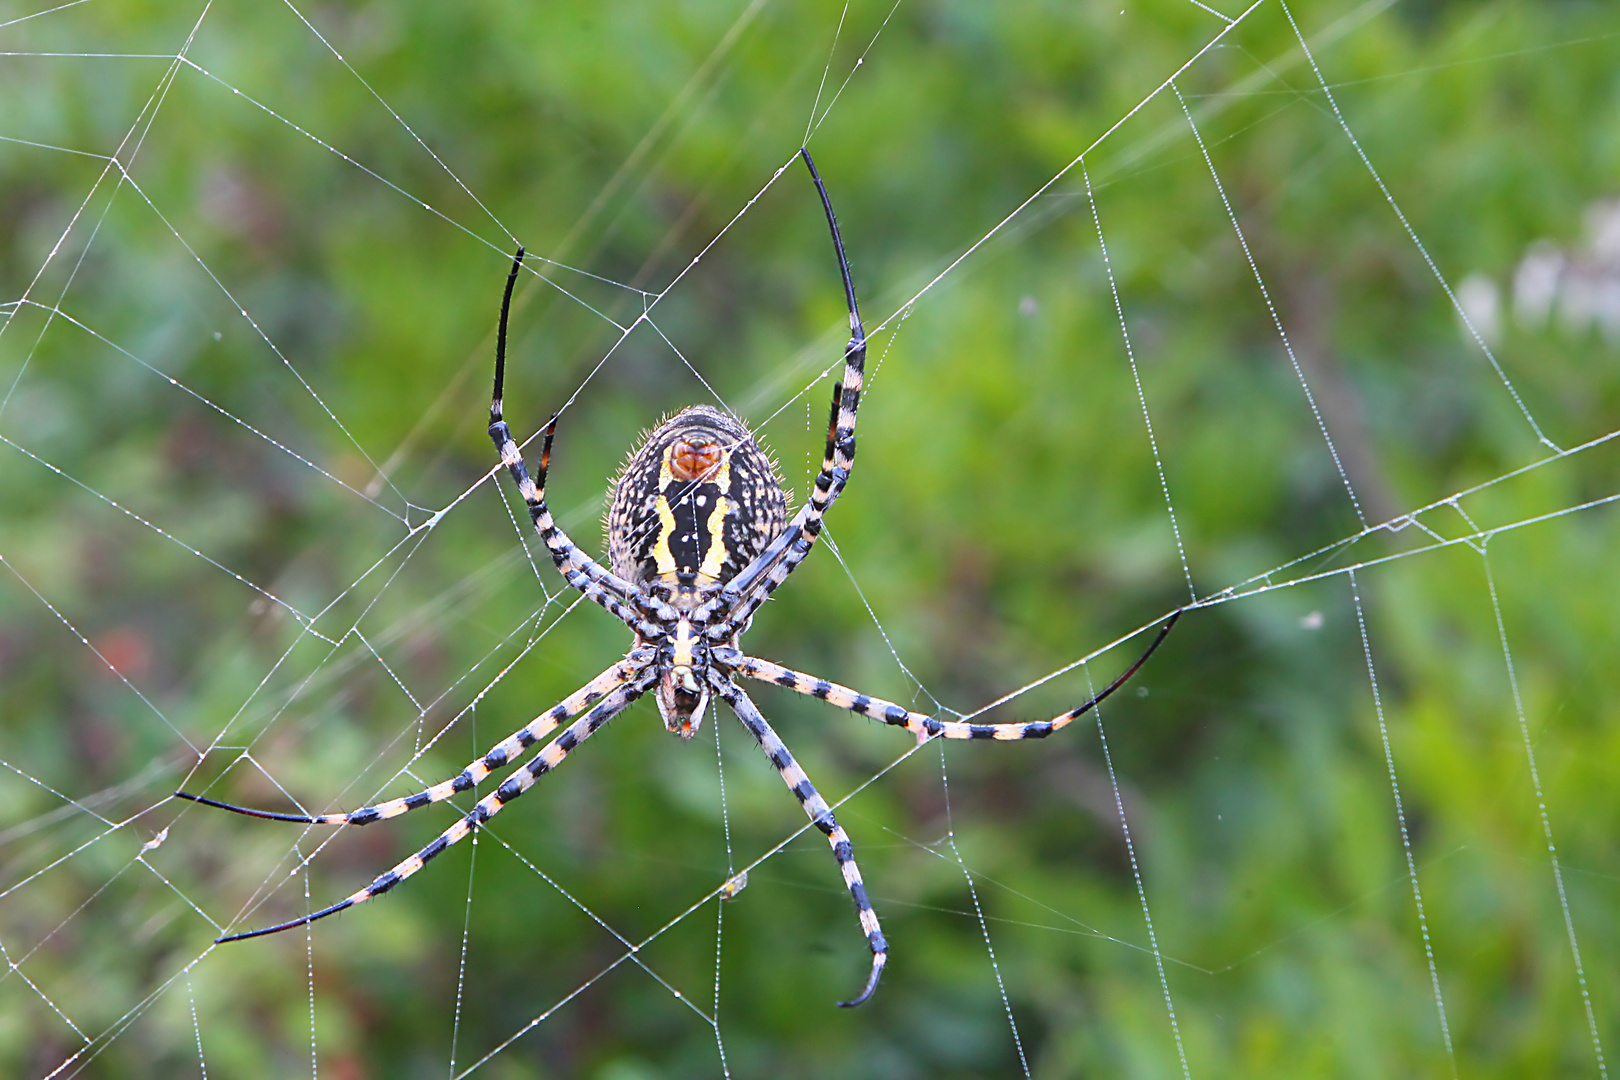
x=498, y=757
x=927, y=727
x=755, y=583
x=486, y=808
x=579, y=569
x=821, y=814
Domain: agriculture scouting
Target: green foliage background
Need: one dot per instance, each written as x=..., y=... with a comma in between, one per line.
x=1006, y=517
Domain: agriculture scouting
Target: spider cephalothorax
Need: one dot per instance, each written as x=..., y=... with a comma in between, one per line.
x=697, y=541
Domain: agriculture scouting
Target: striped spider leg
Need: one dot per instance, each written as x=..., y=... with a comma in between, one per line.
x=753, y=585
x=609, y=693
x=821, y=816
x=581, y=571
x=925, y=727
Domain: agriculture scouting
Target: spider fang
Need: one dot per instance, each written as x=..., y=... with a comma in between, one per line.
x=681, y=701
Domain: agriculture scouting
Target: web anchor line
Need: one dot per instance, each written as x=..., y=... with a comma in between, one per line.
x=1141, y=393
x=1271, y=308
x=1400, y=819
x=1546, y=818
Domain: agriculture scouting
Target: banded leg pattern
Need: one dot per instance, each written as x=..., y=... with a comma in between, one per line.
x=926, y=727
x=577, y=568
x=754, y=585
x=501, y=755
x=486, y=808
x=821, y=814
x=581, y=571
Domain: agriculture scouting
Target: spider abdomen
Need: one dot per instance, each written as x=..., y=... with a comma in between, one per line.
x=696, y=501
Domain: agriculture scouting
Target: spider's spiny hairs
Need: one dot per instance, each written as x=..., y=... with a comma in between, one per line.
x=580, y=570
x=926, y=727
x=649, y=523
x=501, y=755
x=822, y=816
x=755, y=584
x=486, y=808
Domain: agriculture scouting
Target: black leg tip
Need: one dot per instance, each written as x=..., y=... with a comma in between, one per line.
x=878, y=960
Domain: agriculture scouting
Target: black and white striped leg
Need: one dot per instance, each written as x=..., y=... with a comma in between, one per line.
x=821, y=814
x=486, y=808
x=579, y=569
x=501, y=755
x=926, y=727
x=754, y=584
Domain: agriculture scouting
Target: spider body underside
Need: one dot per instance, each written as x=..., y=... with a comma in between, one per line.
x=698, y=538
x=695, y=503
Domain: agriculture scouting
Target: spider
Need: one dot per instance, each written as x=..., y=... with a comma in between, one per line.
x=698, y=539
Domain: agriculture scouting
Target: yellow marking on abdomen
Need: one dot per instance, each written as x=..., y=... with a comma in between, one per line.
x=715, y=557
x=663, y=557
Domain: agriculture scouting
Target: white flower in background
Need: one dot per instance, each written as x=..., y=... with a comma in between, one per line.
x=1582, y=286
x=1535, y=284
x=1481, y=304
